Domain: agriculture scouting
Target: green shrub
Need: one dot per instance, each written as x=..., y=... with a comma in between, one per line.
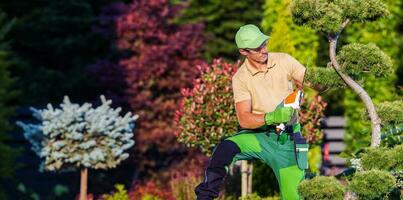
x=373, y=184
x=321, y=187
x=120, y=194
x=383, y=158
x=396, y=158
x=376, y=158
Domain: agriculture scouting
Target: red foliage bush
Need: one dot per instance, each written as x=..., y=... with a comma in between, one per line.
x=157, y=58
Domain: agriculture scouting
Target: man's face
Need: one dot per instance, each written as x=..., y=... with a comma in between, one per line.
x=258, y=54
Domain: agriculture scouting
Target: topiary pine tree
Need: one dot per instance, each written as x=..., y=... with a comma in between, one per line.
x=354, y=60
x=384, y=33
x=79, y=136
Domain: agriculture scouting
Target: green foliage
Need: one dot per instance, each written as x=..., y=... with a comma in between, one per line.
x=356, y=59
x=300, y=42
x=376, y=158
x=396, y=155
x=326, y=77
x=327, y=16
x=363, y=10
x=222, y=18
x=372, y=184
x=323, y=16
x=390, y=112
x=358, y=131
x=314, y=159
x=385, y=35
x=321, y=187
x=383, y=158
x=392, y=135
x=120, y=194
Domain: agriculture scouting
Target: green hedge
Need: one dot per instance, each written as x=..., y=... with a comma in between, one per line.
x=373, y=184
x=321, y=187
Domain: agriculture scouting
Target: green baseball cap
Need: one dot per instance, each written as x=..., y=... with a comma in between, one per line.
x=249, y=36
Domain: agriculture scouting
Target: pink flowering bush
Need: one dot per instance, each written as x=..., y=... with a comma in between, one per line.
x=207, y=111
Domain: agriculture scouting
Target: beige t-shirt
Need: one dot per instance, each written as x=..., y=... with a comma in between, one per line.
x=267, y=88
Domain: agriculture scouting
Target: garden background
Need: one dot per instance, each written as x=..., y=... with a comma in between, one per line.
x=141, y=55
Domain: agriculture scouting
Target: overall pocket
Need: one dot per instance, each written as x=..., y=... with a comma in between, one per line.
x=301, y=154
x=301, y=150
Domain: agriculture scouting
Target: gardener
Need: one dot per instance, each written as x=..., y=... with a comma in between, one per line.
x=259, y=86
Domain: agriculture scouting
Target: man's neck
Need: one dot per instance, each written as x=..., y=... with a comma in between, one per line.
x=257, y=65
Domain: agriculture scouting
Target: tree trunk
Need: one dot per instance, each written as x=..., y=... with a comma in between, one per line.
x=369, y=105
x=246, y=174
x=250, y=173
x=83, y=184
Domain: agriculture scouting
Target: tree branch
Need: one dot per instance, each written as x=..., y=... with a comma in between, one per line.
x=375, y=120
x=342, y=27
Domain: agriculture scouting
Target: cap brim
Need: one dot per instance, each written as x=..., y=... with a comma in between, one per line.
x=259, y=41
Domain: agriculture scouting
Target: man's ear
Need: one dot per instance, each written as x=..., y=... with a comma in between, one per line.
x=243, y=52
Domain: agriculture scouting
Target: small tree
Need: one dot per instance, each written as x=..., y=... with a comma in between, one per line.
x=79, y=136
x=331, y=17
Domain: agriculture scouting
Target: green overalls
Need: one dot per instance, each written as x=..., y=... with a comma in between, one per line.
x=277, y=151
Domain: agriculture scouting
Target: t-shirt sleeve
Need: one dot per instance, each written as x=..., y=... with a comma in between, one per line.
x=240, y=91
x=297, y=70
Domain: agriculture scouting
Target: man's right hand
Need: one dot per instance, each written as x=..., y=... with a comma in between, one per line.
x=278, y=116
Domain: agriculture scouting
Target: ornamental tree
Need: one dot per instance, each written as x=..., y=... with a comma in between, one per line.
x=386, y=35
x=80, y=136
x=353, y=60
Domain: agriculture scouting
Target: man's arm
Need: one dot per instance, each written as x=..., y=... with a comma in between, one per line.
x=249, y=120
x=246, y=118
